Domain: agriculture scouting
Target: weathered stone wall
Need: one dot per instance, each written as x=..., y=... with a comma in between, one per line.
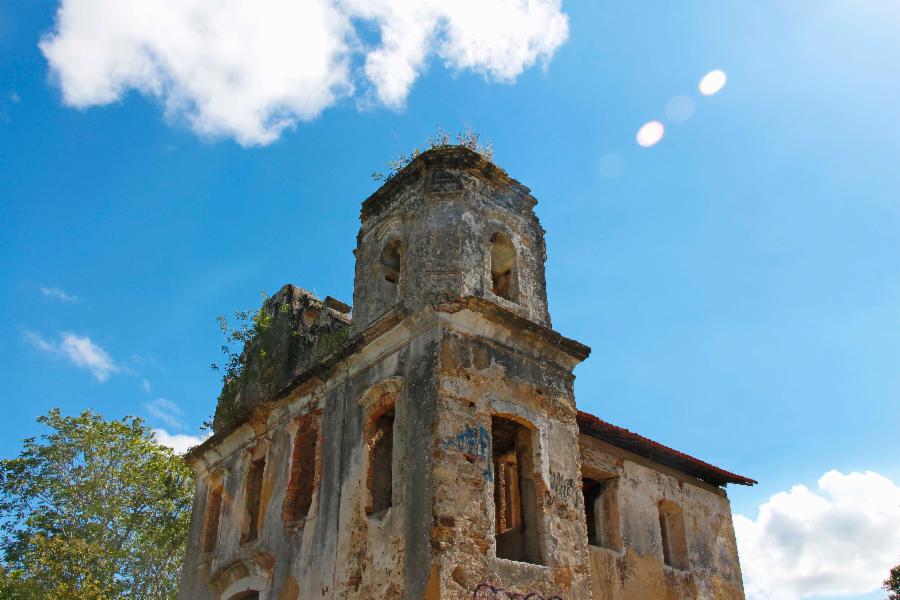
x=638, y=571
x=300, y=330
x=443, y=210
x=338, y=550
x=481, y=378
x=445, y=373
x=438, y=533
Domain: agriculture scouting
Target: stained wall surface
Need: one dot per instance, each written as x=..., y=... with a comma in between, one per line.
x=637, y=569
x=446, y=375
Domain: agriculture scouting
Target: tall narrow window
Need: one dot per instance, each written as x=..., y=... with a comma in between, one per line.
x=211, y=516
x=387, y=284
x=252, y=499
x=390, y=262
x=602, y=512
x=381, y=459
x=503, y=267
x=674, y=541
x=302, y=480
x=515, y=500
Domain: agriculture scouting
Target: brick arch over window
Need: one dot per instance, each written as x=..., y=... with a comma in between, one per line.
x=242, y=580
x=378, y=404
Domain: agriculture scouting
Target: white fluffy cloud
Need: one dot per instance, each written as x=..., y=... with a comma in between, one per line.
x=178, y=442
x=841, y=541
x=58, y=294
x=249, y=70
x=81, y=351
x=166, y=411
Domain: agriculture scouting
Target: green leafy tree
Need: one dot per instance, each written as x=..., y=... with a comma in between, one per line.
x=892, y=584
x=248, y=325
x=93, y=509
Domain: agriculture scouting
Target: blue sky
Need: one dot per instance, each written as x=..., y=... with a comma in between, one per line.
x=738, y=281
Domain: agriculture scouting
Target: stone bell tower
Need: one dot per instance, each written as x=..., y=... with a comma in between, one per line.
x=434, y=451
x=448, y=226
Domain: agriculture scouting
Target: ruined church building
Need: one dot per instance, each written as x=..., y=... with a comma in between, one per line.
x=430, y=446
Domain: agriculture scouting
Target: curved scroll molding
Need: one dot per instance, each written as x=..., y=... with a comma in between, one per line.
x=378, y=399
x=244, y=588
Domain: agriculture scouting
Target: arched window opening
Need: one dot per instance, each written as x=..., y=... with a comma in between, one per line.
x=211, y=516
x=302, y=480
x=390, y=262
x=674, y=541
x=381, y=458
x=248, y=595
x=601, y=508
x=253, y=499
x=515, y=499
x=503, y=267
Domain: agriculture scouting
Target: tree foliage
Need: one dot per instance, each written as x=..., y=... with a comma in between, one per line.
x=892, y=584
x=248, y=325
x=93, y=509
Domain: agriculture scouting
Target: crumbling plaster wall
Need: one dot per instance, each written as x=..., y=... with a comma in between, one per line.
x=638, y=571
x=485, y=374
x=301, y=330
x=338, y=551
x=210, y=575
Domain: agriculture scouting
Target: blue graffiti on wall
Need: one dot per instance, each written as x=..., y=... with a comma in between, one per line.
x=475, y=444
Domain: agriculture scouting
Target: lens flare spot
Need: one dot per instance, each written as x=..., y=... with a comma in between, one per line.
x=611, y=165
x=712, y=82
x=679, y=109
x=650, y=134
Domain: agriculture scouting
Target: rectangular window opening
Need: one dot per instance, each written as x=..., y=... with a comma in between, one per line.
x=302, y=480
x=381, y=464
x=253, y=499
x=211, y=518
x=515, y=499
x=674, y=540
x=601, y=509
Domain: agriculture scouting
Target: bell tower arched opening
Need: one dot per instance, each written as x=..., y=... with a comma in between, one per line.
x=503, y=267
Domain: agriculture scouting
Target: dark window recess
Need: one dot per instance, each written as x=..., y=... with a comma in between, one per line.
x=503, y=267
x=390, y=262
x=674, y=540
x=253, y=499
x=211, y=518
x=302, y=480
x=381, y=458
x=602, y=512
x=515, y=500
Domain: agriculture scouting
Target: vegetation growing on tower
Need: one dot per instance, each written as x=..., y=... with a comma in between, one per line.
x=469, y=138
